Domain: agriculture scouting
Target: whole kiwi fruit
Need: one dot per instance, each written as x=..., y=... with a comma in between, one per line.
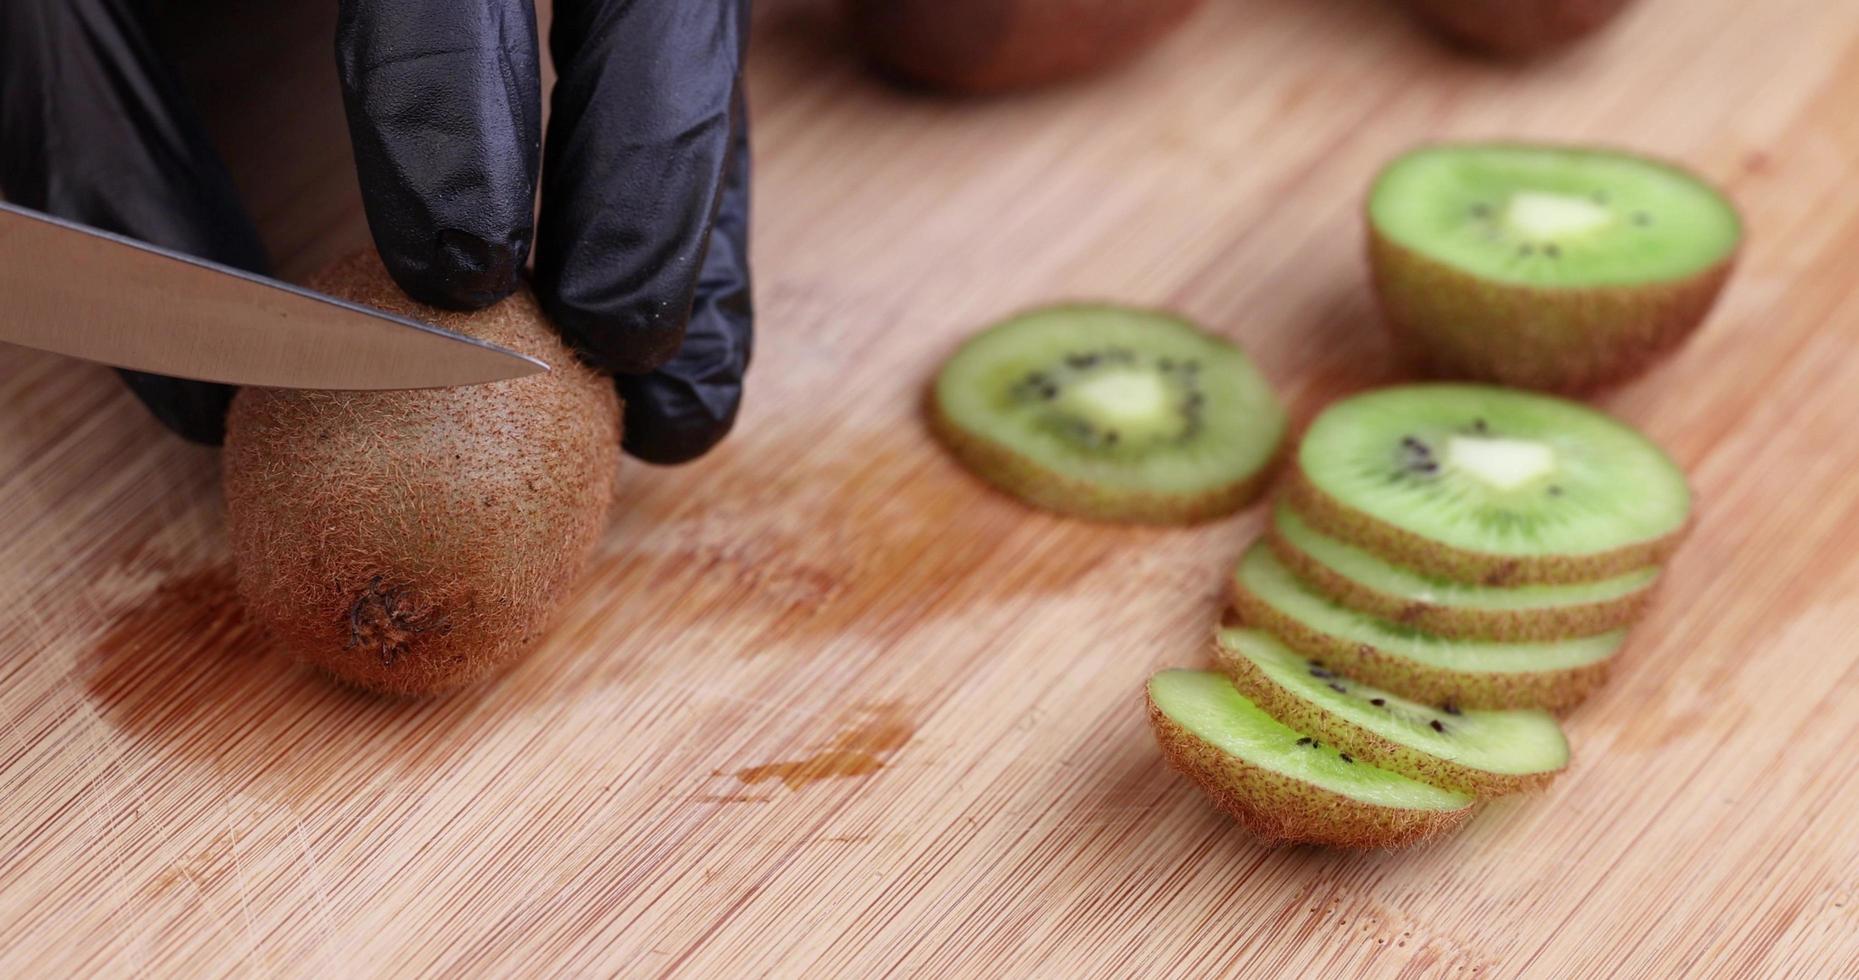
x=412, y=542
x=1515, y=28
x=990, y=46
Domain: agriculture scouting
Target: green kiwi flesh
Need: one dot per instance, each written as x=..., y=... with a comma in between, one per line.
x=1550, y=267
x=1366, y=583
x=1280, y=783
x=1110, y=413
x=1483, y=753
x=1416, y=665
x=1489, y=486
x=1515, y=28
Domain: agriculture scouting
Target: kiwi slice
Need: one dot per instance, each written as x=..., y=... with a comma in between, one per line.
x=1363, y=582
x=1484, y=753
x=1417, y=665
x=1282, y=784
x=1110, y=413
x=1545, y=267
x=1489, y=486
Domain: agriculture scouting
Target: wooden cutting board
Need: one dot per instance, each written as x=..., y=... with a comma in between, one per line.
x=828, y=707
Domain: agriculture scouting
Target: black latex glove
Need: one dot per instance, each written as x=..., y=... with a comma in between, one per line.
x=644, y=206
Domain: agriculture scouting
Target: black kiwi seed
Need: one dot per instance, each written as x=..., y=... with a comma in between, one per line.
x=1345, y=757
x=1479, y=426
x=1555, y=491
x=1450, y=708
x=1110, y=437
x=1378, y=702
x=1304, y=741
x=1437, y=726
x=1552, y=250
x=1481, y=210
x=1338, y=688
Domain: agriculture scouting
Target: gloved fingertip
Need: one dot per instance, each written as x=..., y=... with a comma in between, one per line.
x=669, y=443
x=193, y=410
x=456, y=269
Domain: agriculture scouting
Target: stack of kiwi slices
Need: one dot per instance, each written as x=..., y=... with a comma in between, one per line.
x=1447, y=565
x=1548, y=267
x=1110, y=413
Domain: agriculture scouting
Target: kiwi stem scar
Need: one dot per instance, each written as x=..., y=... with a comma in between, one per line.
x=382, y=619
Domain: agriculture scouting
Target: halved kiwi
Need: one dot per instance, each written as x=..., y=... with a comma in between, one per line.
x=1484, y=753
x=1110, y=413
x=1419, y=666
x=1363, y=582
x=1489, y=486
x=1282, y=784
x=1549, y=267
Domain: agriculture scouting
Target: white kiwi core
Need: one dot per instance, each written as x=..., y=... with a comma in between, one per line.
x=1505, y=464
x=1554, y=217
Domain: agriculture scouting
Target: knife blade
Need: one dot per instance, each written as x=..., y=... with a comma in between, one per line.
x=85, y=293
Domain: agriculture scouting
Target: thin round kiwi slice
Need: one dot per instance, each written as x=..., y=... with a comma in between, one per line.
x=1110, y=413
x=1545, y=266
x=1484, y=753
x=1420, y=666
x=1282, y=784
x=1366, y=583
x=1489, y=486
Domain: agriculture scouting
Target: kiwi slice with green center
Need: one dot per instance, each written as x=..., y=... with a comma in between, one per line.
x=1110, y=413
x=1368, y=584
x=1489, y=486
x=1545, y=266
x=1417, y=665
x=1484, y=753
x=1285, y=785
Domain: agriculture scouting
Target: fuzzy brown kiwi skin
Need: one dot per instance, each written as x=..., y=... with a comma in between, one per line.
x=1288, y=811
x=1568, y=340
x=1312, y=719
x=412, y=542
x=1551, y=690
x=1503, y=625
x=1515, y=28
x=1032, y=483
x=990, y=46
x=1422, y=554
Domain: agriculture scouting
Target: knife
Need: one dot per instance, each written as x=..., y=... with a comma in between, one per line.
x=74, y=290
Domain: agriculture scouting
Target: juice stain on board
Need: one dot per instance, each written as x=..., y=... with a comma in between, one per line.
x=860, y=750
x=186, y=675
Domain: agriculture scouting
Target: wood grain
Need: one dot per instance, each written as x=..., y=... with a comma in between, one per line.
x=828, y=707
